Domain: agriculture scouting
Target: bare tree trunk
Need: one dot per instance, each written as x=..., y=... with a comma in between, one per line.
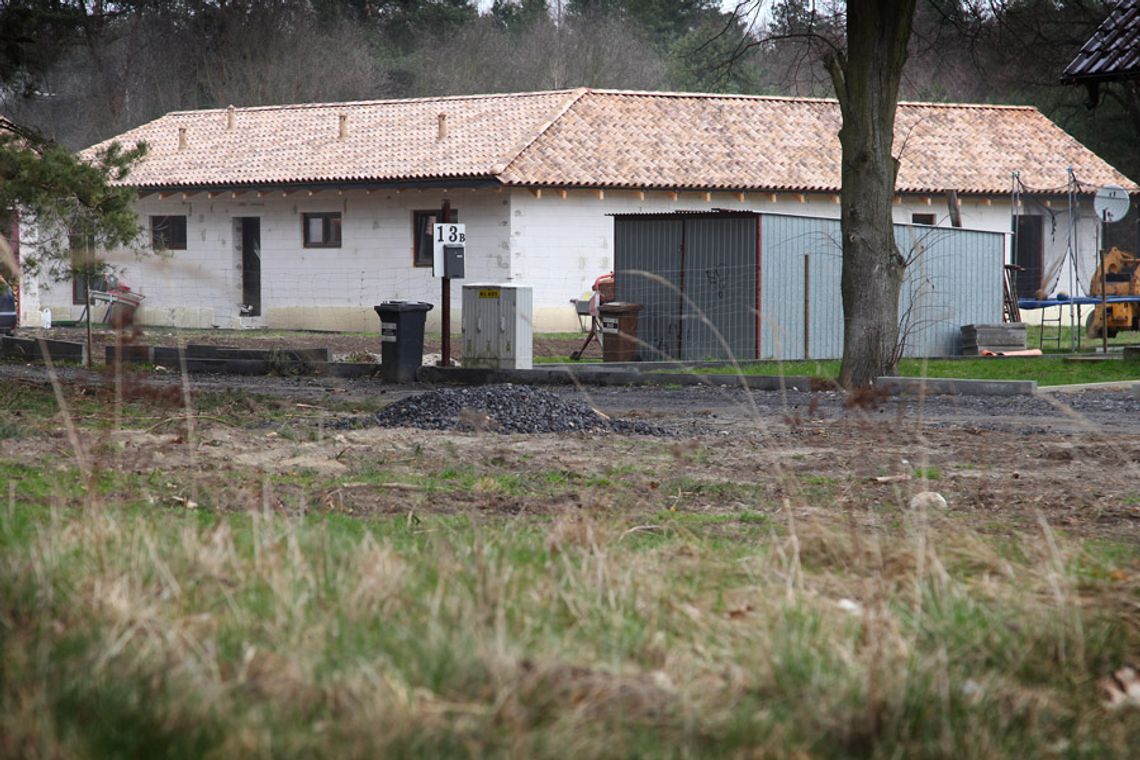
x=866, y=81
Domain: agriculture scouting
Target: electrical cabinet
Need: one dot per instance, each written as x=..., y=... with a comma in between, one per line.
x=498, y=329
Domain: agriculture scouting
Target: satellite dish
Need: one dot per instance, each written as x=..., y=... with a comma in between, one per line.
x=1111, y=203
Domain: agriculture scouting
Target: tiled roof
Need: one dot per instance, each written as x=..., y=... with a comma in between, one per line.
x=389, y=140
x=1113, y=52
x=605, y=138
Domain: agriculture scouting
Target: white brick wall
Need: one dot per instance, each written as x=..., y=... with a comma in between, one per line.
x=557, y=245
x=311, y=288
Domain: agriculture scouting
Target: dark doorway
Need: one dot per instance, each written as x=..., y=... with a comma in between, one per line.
x=249, y=231
x=1029, y=253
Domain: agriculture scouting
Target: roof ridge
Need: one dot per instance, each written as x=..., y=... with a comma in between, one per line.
x=977, y=106
x=706, y=95
x=575, y=96
x=371, y=102
x=575, y=93
x=794, y=98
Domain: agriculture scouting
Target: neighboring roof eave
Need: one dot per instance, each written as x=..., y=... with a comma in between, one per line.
x=465, y=183
x=1112, y=52
x=804, y=190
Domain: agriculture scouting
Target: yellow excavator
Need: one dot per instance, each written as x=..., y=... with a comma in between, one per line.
x=1121, y=277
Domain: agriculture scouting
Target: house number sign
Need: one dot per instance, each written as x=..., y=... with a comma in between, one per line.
x=446, y=235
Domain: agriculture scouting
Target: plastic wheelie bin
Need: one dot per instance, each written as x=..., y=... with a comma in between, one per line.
x=401, y=339
x=619, y=331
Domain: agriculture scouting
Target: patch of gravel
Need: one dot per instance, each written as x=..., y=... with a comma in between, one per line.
x=505, y=408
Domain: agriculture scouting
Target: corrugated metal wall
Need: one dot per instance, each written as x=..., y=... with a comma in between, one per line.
x=647, y=270
x=954, y=278
x=696, y=277
x=720, y=282
x=784, y=242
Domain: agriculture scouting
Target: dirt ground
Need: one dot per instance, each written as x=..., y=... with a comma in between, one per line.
x=306, y=443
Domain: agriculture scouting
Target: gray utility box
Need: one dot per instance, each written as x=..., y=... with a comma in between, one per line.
x=498, y=327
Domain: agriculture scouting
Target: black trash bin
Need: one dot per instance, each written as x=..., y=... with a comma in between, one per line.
x=7, y=310
x=402, y=339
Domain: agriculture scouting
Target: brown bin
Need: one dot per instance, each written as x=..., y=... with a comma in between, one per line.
x=619, y=330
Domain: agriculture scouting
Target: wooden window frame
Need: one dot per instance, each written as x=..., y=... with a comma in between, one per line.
x=427, y=259
x=165, y=238
x=84, y=267
x=327, y=226
x=79, y=288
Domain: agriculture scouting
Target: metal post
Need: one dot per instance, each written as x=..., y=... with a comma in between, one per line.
x=1074, y=274
x=1103, y=289
x=445, y=298
x=807, y=306
x=90, y=308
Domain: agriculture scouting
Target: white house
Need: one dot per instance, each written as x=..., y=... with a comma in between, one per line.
x=305, y=216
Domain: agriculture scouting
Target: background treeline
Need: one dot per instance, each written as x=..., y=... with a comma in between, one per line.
x=83, y=70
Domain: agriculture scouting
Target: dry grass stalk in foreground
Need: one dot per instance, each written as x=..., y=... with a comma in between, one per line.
x=157, y=632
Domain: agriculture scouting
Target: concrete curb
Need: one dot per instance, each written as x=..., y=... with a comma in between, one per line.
x=31, y=348
x=172, y=356
x=216, y=360
x=933, y=386
x=1111, y=385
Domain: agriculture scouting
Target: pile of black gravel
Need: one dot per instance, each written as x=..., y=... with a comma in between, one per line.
x=504, y=409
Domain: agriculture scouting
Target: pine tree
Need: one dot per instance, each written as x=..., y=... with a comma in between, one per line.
x=64, y=198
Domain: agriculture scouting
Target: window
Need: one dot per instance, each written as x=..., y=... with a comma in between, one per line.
x=928, y=219
x=423, y=224
x=79, y=285
x=85, y=266
x=321, y=230
x=168, y=233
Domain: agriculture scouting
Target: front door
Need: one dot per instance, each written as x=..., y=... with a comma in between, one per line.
x=249, y=228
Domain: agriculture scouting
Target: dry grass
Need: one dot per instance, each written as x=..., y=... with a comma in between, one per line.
x=136, y=634
x=613, y=628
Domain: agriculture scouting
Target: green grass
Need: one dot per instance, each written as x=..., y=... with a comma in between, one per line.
x=1048, y=340
x=928, y=473
x=1047, y=370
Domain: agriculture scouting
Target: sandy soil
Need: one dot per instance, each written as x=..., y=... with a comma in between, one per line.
x=1000, y=462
